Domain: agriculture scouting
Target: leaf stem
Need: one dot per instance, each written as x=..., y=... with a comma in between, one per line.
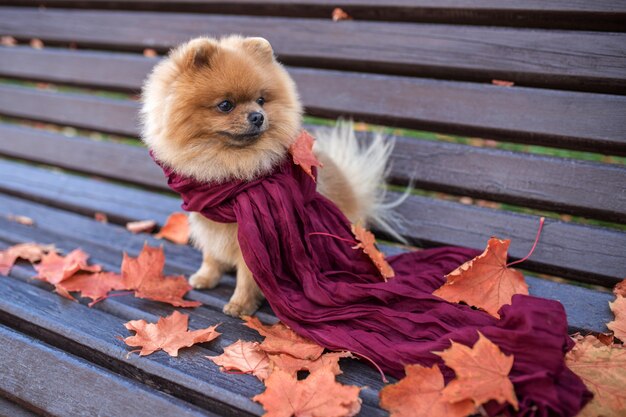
x=541, y=222
x=354, y=242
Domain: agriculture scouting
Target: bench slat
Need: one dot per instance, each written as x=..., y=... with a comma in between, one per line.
x=11, y=409
x=576, y=187
x=60, y=384
x=580, y=14
x=582, y=253
x=589, y=61
x=591, y=122
x=586, y=309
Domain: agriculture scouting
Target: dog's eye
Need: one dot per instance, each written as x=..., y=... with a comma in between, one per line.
x=260, y=101
x=225, y=106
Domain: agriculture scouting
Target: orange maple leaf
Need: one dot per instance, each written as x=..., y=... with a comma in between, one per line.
x=176, y=229
x=91, y=285
x=54, y=268
x=339, y=14
x=291, y=365
x=367, y=242
x=602, y=369
x=618, y=307
x=419, y=394
x=485, y=281
x=281, y=339
x=317, y=395
x=620, y=288
x=169, y=334
x=144, y=275
x=32, y=252
x=482, y=373
x=302, y=153
x=245, y=357
x=141, y=226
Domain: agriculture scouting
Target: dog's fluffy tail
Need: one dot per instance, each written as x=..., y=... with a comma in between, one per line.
x=365, y=166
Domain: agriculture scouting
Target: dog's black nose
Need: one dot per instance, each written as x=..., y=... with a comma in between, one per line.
x=256, y=118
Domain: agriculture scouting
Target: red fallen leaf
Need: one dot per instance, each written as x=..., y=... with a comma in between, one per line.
x=169, y=334
x=340, y=14
x=32, y=252
x=368, y=244
x=141, y=226
x=503, y=83
x=281, y=339
x=302, y=153
x=291, y=365
x=620, y=288
x=26, y=221
x=244, y=357
x=618, y=307
x=485, y=281
x=144, y=275
x=91, y=285
x=420, y=394
x=176, y=229
x=54, y=268
x=602, y=369
x=100, y=217
x=317, y=395
x=482, y=373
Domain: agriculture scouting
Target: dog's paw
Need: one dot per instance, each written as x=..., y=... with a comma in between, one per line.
x=204, y=279
x=237, y=310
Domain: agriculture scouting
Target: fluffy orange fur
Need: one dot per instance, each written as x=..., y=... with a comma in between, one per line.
x=186, y=129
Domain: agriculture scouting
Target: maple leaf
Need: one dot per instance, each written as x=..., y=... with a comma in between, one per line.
x=339, y=14
x=100, y=217
x=32, y=252
x=144, y=275
x=482, y=373
x=319, y=395
x=419, y=394
x=91, y=285
x=141, y=226
x=169, y=334
x=302, y=153
x=54, y=268
x=26, y=221
x=484, y=281
x=176, y=229
x=291, y=365
x=602, y=369
x=367, y=242
x=620, y=288
x=503, y=83
x=281, y=339
x=618, y=307
x=245, y=357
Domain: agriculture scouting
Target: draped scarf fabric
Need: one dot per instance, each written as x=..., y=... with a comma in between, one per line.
x=333, y=294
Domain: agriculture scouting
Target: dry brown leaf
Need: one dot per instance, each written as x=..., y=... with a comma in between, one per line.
x=319, y=395
x=169, y=334
x=620, y=288
x=54, y=268
x=618, y=307
x=100, y=217
x=485, y=281
x=292, y=365
x=302, y=153
x=141, y=226
x=281, y=339
x=244, y=357
x=26, y=221
x=603, y=370
x=340, y=14
x=91, y=285
x=176, y=229
x=32, y=252
x=419, y=394
x=144, y=275
x=482, y=373
x=367, y=242
x=503, y=83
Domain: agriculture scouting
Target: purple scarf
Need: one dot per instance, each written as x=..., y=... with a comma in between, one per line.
x=333, y=294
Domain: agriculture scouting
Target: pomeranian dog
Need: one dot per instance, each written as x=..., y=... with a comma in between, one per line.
x=225, y=109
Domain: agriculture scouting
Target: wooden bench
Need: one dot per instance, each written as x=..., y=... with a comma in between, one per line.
x=421, y=64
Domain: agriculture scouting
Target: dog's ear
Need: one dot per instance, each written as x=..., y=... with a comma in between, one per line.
x=260, y=47
x=196, y=53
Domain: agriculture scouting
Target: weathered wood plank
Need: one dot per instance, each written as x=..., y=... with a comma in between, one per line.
x=586, y=254
x=11, y=409
x=63, y=384
x=575, y=187
x=564, y=14
x=590, y=61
